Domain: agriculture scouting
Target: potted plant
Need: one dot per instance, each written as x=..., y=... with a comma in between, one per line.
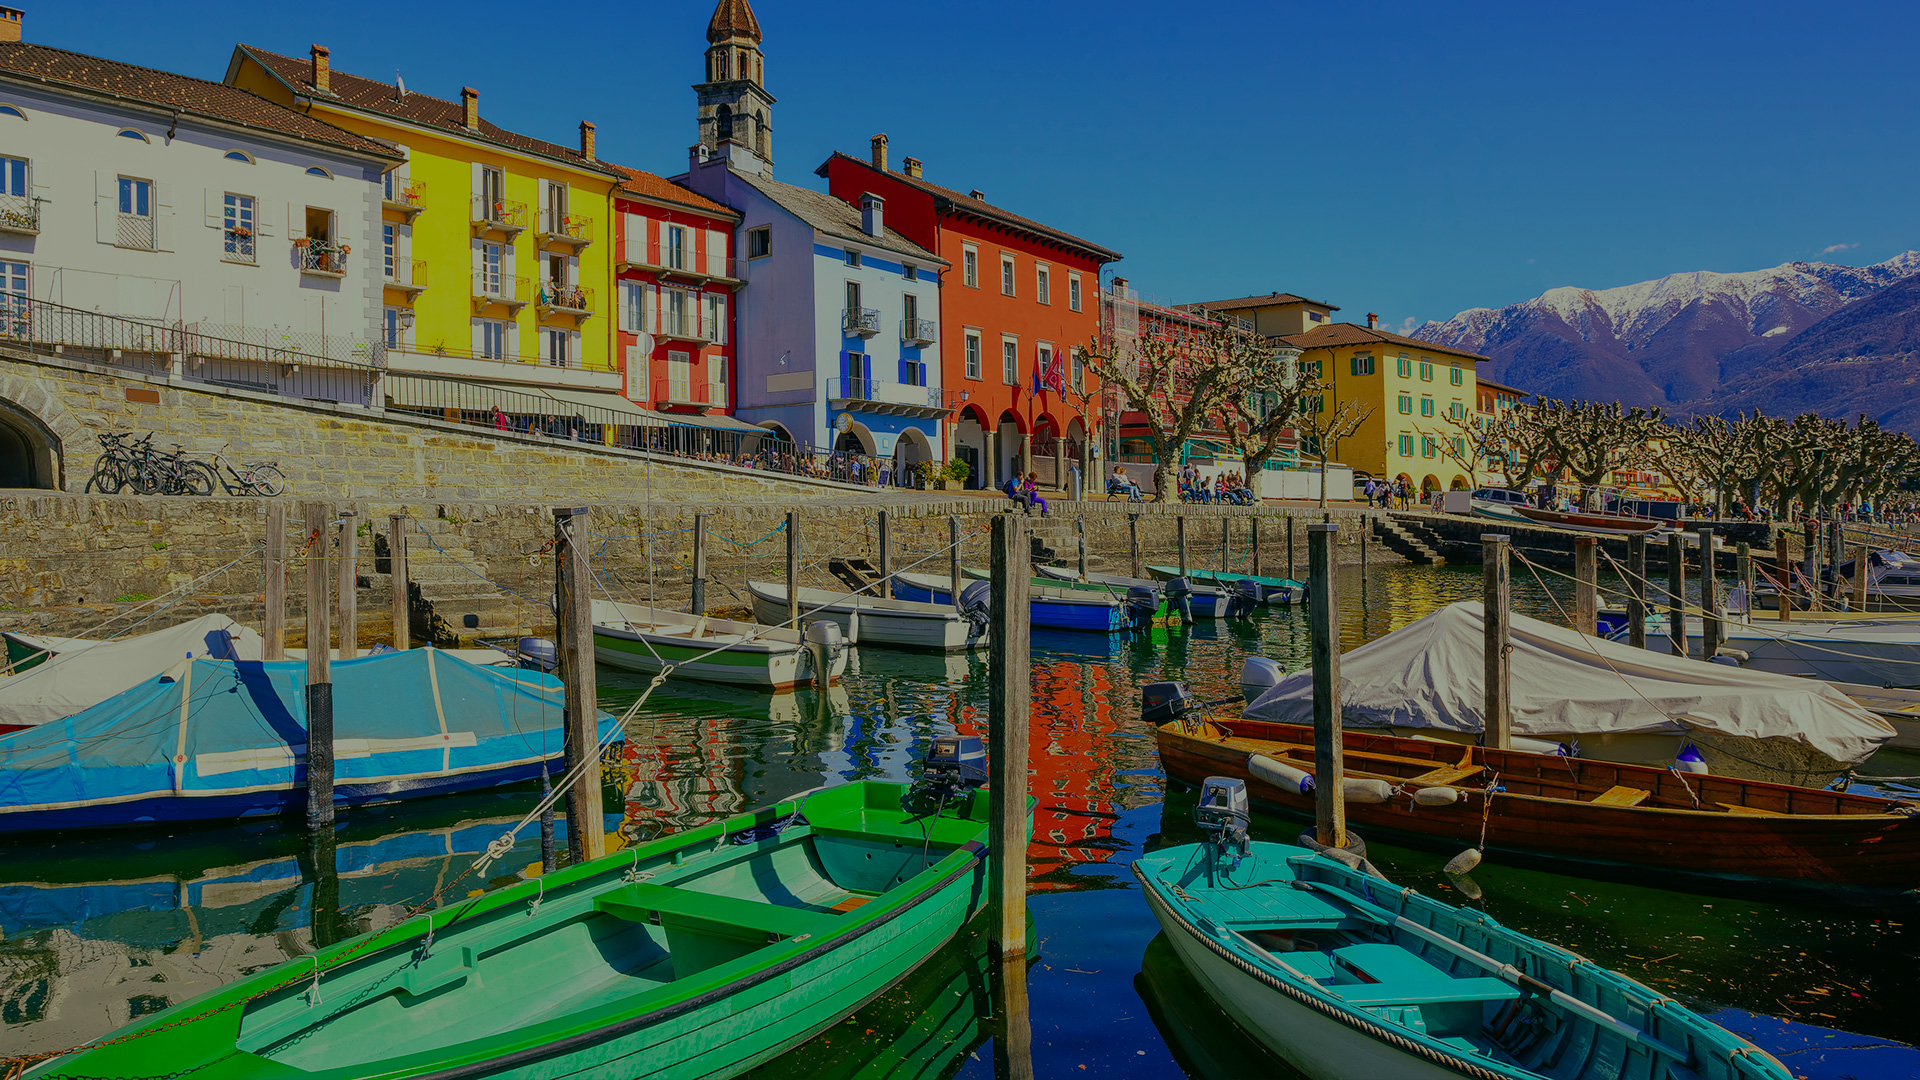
x=955, y=475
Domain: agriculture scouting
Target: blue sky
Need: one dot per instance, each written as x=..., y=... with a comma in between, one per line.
x=1408, y=159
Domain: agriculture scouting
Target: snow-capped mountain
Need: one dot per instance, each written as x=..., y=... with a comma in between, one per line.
x=1672, y=341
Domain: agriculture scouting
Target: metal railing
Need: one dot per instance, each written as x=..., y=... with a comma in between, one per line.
x=406, y=195
x=917, y=331
x=559, y=225
x=315, y=257
x=690, y=326
x=508, y=361
x=841, y=388
x=238, y=245
x=864, y=322
x=569, y=299
x=410, y=275
x=707, y=394
x=135, y=231
x=675, y=262
x=502, y=214
x=19, y=214
x=497, y=289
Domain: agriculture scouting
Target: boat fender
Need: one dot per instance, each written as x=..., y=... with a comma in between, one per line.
x=1688, y=760
x=1280, y=775
x=1537, y=746
x=1258, y=675
x=1368, y=791
x=1436, y=796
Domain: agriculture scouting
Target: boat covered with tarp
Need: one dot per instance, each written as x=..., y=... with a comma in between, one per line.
x=225, y=739
x=67, y=675
x=1602, y=699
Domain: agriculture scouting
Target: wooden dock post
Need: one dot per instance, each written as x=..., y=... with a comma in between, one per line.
x=1080, y=541
x=1323, y=613
x=697, y=598
x=1290, y=562
x=1677, y=592
x=319, y=519
x=1783, y=566
x=1009, y=690
x=953, y=559
x=273, y=584
x=1253, y=542
x=1586, y=585
x=1810, y=543
x=1497, y=605
x=793, y=570
x=1860, y=578
x=883, y=539
x=1226, y=545
x=1180, y=540
x=347, y=593
x=573, y=624
x=1133, y=541
x=1364, y=530
x=397, y=575
x=1710, y=632
x=1836, y=554
x=1637, y=590
x=1743, y=567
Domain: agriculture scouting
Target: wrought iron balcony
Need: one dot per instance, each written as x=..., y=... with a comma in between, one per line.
x=508, y=292
x=20, y=214
x=409, y=278
x=561, y=299
x=889, y=398
x=321, y=258
x=135, y=231
x=575, y=230
x=860, y=322
x=405, y=197
x=916, y=331
x=501, y=215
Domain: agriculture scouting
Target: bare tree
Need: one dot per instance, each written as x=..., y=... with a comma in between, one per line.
x=1591, y=439
x=1180, y=386
x=1268, y=411
x=1470, y=443
x=1322, y=428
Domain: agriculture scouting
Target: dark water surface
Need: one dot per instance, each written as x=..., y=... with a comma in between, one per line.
x=99, y=929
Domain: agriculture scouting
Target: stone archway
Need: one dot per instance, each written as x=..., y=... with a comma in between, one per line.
x=909, y=449
x=36, y=432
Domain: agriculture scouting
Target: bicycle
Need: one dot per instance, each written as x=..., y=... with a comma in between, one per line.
x=171, y=474
x=116, y=467
x=251, y=478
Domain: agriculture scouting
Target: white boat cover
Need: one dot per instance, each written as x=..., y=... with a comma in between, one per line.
x=85, y=672
x=1429, y=674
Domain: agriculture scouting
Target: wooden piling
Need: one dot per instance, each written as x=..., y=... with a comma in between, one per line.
x=1080, y=541
x=1497, y=605
x=1365, y=528
x=1133, y=541
x=1677, y=593
x=319, y=771
x=398, y=576
x=1586, y=585
x=1637, y=590
x=793, y=570
x=697, y=598
x=273, y=584
x=1711, y=634
x=573, y=624
x=1323, y=613
x=1180, y=540
x=1009, y=689
x=953, y=560
x=1836, y=554
x=1253, y=543
x=346, y=592
x=1860, y=578
x=1290, y=562
x=1810, y=543
x=1783, y=566
x=1226, y=545
x=1743, y=567
x=883, y=539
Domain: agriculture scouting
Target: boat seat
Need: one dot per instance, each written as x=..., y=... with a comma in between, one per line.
x=643, y=902
x=1425, y=992
x=1736, y=808
x=1446, y=774
x=1383, y=962
x=1621, y=795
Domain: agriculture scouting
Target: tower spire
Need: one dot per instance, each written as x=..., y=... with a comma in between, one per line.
x=735, y=110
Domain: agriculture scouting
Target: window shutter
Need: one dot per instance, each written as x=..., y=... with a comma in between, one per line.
x=507, y=267
x=215, y=203
x=403, y=247
x=573, y=270
x=636, y=374
x=404, y=171
x=625, y=302
x=479, y=340
x=162, y=216
x=540, y=223
x=513, y=339
x=654, y=293
x=635, y=238
x=716, y=253
x=720, y=305
x=106, y=209
x=575, y=356
x=717, y=381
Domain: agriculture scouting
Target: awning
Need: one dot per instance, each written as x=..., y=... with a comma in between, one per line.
x=715, y=421
x=600, y=399
x=512, y=398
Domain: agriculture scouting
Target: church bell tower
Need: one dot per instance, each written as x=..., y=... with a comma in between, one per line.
x=736, y=112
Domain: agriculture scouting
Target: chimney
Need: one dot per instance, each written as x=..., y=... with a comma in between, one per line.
x=976, y=193
x=1120, y=285
x=11, y=23
x=912, y=166
x=871, y=222
x=586, y=139
x=322, y=77
x=470, y=108
x=880, y=152
x=1373, y=321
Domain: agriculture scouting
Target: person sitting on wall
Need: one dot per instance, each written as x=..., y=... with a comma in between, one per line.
x=1031, y=489
x=1122, y=484
x=1016, y=492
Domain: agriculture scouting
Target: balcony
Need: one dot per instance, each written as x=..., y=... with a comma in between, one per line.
x=860, y=322
x=686, y=328
x=888, y=398
x=406, y=198
x=20, y=214
x=574, y=230
x=492, y=289
x=318, y=258
x=238, y=246
x=558, y=299
x=503, y=216
x=916, y=331
x=409, y=278
x=134, y=231
x=698, y=396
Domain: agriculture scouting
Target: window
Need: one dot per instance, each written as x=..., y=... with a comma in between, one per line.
x=1426, y=406
x=973, y=354
x=1073, y=292
x=320, y=172
x=129, y=133
x=853, y=257
x=493, y=339
x=1361, y=364
x=853, y=301
x=1406, y=404
x=713, y=316
x=386, y=250
x=237, y=155
x=491, y=262
x=136, y=214
x=1426, y=371
x=1043, y=362
x=1405, y=365
x=912, y=373
x=1406, y=445
x=1314, y=403
x=910, y=312
x=13, y=298
x=1010, y=361
x=912, y=273
x=493, y=193
x=1454, y=375
x=1042, y=285
x=1459, y=446
x=1315, y=316
x=1457, y=411
x=556, y=347
x=1078, y=372
x=390, y=326
x=677, y=254
x=556, y=207
x=1310, y=368
x=1006, y=275
x=633, y=307
x=677, y=312
x=970, y=267
x=760, y=242
x=1427, y=446
x=13, y=177
x=238, y=210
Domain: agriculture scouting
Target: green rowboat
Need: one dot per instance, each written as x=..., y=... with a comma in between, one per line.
x=1273, y=590
x=701, y=954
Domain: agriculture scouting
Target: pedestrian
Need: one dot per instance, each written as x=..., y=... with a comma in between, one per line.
x=1031, y=490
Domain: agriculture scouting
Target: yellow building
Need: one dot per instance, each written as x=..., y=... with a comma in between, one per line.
x=496, y=247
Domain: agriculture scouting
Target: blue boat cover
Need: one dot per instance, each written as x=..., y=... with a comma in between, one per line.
x=207, y=729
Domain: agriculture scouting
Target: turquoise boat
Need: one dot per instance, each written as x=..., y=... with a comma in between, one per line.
x=701, y=954
x=1273, y=590
x=1343, y=975
x=1050, y=607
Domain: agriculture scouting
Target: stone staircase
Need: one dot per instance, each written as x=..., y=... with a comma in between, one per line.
x=452, y=601
x=1408, y=537
x=1056, y=544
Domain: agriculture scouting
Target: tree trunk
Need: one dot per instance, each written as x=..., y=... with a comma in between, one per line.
x=1161, y=473
x=1255, y=475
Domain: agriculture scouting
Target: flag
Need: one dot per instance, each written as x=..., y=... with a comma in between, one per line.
x=1036, y=377
x=1057, y=372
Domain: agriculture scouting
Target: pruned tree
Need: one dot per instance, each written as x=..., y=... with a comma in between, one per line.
x=1471, y=443
x=1261, y=418
x=1322, y=427
x=1179, y=386
x=1591, y=439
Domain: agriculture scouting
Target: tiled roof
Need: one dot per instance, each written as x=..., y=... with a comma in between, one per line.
x=358, y=92
x=193, y=97
x=954, y=201
x=647, y=185
x=1491, y=385
x=733, y=18
x=1244, y=302
x=1336, y=334
x=833, y=217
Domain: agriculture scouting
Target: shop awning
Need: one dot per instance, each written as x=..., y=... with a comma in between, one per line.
x=601, y=399
x=714, y=421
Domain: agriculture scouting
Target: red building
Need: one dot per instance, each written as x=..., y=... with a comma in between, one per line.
x=674, y=265
x=1019, y=303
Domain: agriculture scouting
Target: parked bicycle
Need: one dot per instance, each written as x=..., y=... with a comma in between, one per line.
x=137, y=467
x=249, y=478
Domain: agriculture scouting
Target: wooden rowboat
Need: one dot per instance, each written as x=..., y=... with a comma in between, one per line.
x=1593, y=523
x=638, y=637
x=1207, y=601
x=1050, y=607
x=1591, y=817
x=701, y=954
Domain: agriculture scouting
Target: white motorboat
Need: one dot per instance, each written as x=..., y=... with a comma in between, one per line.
x=1837, y=648
x=874, y=620
x=639, y=637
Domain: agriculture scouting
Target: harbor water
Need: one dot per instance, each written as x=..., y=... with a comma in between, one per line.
x=102, y=928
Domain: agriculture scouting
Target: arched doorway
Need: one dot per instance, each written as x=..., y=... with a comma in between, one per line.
x=1429, y=484
x=1007, y=453
x=910, y=449
x=1459, y=484
x=29, y=453
x=970, y=446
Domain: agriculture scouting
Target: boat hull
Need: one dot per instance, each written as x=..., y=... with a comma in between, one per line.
x=1273, y=590
x=874, y=626
x=776, y=672
x=1872, y=655
x=1044, y=612
x=1611, y=524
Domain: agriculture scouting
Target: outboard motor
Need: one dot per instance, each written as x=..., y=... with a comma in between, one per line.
x=1164, y=701
x=1245, y=599
x=537, y=654
x=1222, y=815
x=1180, y=598
x=823, y=642
x=1259, y=675
x=1142, y=604
x=976, y=605
x=954, y=765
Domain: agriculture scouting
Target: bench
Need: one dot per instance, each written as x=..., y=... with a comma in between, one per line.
x=643, y=902
x=1425, y=992
x=1621, y=795
x=1736, y=808
x=1446, y=774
